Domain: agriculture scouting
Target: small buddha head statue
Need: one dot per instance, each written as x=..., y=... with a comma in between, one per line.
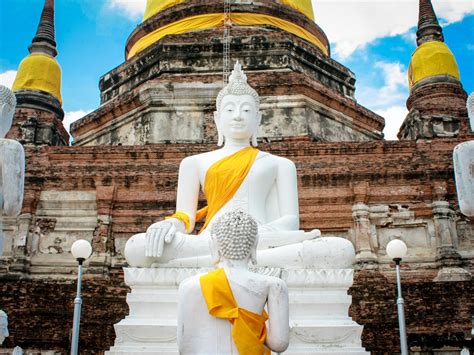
x=470, y=109
x=7, y=109
x=3, y=326
x=234, y=236
x=238, y=109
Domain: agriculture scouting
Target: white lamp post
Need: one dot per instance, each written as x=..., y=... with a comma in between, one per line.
x=81, y=250
x=396, y=249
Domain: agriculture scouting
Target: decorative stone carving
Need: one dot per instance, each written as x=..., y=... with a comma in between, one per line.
x=362, y=227
x=446, y=236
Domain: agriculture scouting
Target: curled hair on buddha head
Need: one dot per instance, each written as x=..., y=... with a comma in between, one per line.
x=237, y=86
x=235, y=234
x=470, y=109
x=7, y=97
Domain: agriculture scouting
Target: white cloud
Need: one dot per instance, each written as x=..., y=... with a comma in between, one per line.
x=72, y=116
x=389, y=99
x=132, y=8
x=393, y=91
x=351, y=24
x=394, y=117
x=7, y=78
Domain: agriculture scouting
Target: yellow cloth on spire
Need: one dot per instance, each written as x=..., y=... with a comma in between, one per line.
x=248, y=328
x=206, y=21
x=303, y=6
x=155, y=6
x=39, y=72
x=223, y=179
x=430, y=59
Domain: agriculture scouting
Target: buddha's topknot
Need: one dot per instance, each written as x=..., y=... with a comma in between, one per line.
x=235, y=233
x=237, y=86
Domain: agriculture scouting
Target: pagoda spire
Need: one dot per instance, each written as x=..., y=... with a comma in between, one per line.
x=45, y=41
x=37, y=88
x=428, y=25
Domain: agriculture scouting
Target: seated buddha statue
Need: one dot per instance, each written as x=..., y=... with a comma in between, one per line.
x=222, y=312
x=236, y=176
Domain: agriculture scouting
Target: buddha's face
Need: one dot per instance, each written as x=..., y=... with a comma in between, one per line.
x=238, y=117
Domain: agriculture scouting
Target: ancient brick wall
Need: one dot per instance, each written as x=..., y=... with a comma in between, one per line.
x=438, y=314
x=132, y=187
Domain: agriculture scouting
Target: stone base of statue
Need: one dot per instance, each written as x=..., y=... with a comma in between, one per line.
x=319, y=306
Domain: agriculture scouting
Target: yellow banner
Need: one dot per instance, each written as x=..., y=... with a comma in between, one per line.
x=155, y=6
x=206, y=21
x=39, y=72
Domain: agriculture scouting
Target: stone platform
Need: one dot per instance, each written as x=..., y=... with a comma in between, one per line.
x=319, y=306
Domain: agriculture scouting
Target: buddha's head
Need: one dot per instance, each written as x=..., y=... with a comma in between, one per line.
x=238, y=109
x=470, y=109
x=7, y=109
x=234, y=236
x=3, y=326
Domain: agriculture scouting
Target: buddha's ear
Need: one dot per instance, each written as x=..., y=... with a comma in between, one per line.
x=220, y=137
x=255, y=132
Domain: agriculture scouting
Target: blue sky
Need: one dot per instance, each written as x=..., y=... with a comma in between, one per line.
x=373, y=38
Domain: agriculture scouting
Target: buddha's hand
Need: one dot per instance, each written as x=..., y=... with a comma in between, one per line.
x=157, y=235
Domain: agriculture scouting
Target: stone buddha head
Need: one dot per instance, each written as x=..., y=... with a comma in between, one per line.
x=470, y=109
x=7, y=109
x=3, y=326
x=238, y=109
x=234, y=236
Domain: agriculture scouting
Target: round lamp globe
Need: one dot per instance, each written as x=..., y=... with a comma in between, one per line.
x=81, y=249
x=396, y=249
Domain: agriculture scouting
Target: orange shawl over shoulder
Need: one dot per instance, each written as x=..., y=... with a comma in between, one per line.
x=223, y=179
x=248, y=329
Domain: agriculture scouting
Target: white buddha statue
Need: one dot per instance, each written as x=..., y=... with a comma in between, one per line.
x=12, y=162
x=222, y=312
x=463, y=155
x=3, y=326
x=236, y=176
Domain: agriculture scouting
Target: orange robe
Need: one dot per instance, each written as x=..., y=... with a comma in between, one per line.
x=248, y=329
x=223, y=179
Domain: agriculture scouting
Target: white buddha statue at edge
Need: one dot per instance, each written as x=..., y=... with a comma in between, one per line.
x=463, y=156
x=12, y=176
x=217, y=310
x=267, y=191
x=12, y=162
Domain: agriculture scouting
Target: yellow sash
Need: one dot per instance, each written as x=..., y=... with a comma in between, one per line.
x=223, y=179
x=248, y=329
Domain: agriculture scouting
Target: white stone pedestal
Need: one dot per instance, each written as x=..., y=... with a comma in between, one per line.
x=319, y=306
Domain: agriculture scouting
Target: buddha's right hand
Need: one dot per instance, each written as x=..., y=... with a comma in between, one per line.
x=157, y=235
